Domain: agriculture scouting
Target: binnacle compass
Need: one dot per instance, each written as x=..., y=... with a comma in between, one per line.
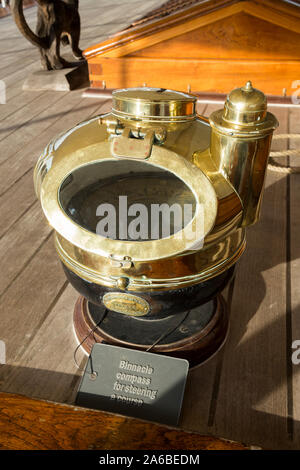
x=150, y=204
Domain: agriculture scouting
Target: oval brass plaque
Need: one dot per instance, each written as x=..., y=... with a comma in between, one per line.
x=128, y=304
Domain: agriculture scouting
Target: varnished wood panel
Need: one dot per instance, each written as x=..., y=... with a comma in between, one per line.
x=240, y=36
x=203, y=75
x=207, y=46
x=279, y=13
x=38, y=425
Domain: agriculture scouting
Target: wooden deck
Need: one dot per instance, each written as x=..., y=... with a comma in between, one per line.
x=250, y=391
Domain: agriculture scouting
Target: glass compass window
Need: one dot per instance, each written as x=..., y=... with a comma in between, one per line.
x=127, y=200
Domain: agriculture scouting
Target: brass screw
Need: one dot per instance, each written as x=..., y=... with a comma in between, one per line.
x=160, y=136
x=183, y=329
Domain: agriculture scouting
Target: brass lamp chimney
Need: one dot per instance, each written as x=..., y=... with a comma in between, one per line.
x=240, y=143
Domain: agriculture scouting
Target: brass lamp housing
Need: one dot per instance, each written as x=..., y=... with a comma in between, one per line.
x=222, y=161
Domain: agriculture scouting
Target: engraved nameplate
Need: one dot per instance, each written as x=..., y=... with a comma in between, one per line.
x=128, y=304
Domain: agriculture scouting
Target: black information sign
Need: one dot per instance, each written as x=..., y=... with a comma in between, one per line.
x=134, y=383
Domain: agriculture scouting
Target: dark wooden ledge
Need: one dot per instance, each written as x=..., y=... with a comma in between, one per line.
x=29, y=424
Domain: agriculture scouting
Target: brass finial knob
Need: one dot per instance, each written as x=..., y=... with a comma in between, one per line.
x=245, y=106
x=248, y=86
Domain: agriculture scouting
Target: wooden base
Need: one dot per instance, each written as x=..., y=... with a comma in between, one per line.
x=195, y=337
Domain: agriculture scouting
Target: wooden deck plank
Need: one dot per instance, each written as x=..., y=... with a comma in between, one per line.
x=14, y=168
x=18, y=129
x=21, y=197
x=254, y=368
x=25, y=237
x=27, y=62
x=258, y=329
x=23, y=155
x=16, y=78
x=23, y=51
x=258, y=411
x=26, y=303
x=19, y=244
x=294, y=269
x=16, y=46
x=13, y=84
x=13, y=87
x=47, y=369
x=16, y=102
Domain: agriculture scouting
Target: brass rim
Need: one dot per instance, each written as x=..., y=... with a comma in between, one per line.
x=149, y=284
x=193, y=177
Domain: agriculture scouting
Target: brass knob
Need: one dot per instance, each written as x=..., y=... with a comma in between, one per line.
x=122, y=283
x=245, y=106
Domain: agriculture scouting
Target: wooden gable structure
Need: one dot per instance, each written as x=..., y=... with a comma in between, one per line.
x=210, y=46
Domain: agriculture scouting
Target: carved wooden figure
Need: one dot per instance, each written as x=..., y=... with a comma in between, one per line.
x=57, y=21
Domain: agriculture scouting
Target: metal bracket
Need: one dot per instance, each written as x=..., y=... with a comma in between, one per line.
x=114, y=126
